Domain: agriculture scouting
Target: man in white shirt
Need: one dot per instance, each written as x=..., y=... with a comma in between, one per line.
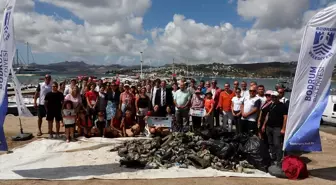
x=182, y=99
x=250, y=110
x=261, y=94
x=41, y=91
x=244, y=90
x=282, y=97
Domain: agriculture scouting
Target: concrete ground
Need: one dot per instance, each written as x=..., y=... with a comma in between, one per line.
x=322, y=166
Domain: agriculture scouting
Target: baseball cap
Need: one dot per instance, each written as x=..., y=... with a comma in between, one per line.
x=269, y=92
x=274, y=93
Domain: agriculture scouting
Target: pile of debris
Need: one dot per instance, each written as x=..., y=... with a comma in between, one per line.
x=209, y=148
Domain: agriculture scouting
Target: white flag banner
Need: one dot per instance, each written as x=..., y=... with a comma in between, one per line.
x=7, y=48
x=21, y=106
x=312, y=83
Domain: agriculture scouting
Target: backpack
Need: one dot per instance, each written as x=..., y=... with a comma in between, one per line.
x=294, y=168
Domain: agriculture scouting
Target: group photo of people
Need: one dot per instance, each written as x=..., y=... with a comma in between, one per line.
x=111, y=108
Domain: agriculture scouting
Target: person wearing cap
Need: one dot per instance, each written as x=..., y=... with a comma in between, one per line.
x=236, y=104
x=42, y=90
x=197, y=102
x=264, y=109
x=225, y=101
x=250, y=111
x=69, y=88
x=209, y=105
x=215, y=91
x=275, y=126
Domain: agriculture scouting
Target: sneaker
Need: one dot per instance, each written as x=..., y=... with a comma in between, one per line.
x=50, y=136
x=57, y=136
x=68, y=141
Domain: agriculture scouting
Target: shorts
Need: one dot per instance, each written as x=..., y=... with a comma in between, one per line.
x=70, y=126
x=57, y=115
x=41, y=112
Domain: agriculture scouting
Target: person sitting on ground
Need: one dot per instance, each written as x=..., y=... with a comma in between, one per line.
x=84, y=123
x=69, y=119
x=100, y=124
x=129, y=127
x=114, y=128
x=157, y=131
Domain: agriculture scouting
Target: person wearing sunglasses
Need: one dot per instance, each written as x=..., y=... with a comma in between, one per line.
x=250, y=111
x=53, y=103
x=264, y=109
x=275, y=126
x=41, y=91
x=237, y=102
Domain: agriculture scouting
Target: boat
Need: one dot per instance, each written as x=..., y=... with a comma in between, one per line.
x=28, y=69
x=12, y=105
x=30, y=87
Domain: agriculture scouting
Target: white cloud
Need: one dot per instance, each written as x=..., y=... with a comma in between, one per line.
x=273, y=14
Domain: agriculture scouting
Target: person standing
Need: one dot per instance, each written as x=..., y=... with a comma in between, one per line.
x=75, y=98
x=192, y=88
x=91, y=100
x=225, y=100
x=235, y=86
x=250, y=110
x=244, y=90
x=163, y=98
x=237, y=102
x=203, y=88
x=275, y=126
x=263, y=113
x=197, y=102
x=142, y=104
x=209, y=105
x=113, y=97
x=282, y=97
x=157, y=84
x=101, y=101
x=53, y=102
x=215, y=91
x=62, y=87
x=126, y=100
x=261, y=94
x=69, y=88
x=182, y=103
x=41, y=92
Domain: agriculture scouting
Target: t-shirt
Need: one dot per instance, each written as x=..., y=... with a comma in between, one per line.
x=182, y=97
x=69, y=120
x=55, y=101
x=43, y=89
x=225, y=100
x=276, y=114
x=249, y=104
x=208, y=103
x=237, y=102
x=245, y=93
x=197, y=102
x=75, y=100
x=92, y=96
x=262, y=99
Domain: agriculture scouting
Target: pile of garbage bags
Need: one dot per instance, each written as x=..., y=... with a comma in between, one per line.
x=214, y=148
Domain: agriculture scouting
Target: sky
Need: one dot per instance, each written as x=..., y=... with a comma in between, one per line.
x=186, y=31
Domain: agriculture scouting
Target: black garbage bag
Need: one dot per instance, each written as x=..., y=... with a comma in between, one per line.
x=227, y=151
x=205, y=134
x=276, y=170
x=257, y=154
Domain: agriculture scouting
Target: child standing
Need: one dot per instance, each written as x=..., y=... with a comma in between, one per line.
x=69, y=119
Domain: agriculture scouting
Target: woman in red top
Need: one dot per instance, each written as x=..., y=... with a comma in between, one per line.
x=129, y=127
x=91, y=99
x=209, y=105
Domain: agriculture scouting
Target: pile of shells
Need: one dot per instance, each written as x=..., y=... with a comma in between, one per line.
x=182, y=150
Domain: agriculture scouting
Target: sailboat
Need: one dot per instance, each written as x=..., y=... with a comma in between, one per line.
x=28, y=69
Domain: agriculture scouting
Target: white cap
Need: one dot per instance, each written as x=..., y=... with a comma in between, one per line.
x=274, y=93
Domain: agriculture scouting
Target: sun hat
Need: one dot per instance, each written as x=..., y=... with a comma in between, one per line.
x=269, y=92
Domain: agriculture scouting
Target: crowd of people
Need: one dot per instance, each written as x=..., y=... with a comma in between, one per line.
x=115, y=109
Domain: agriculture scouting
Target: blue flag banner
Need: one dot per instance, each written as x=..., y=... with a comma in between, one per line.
x=311, y=84
x=7, y=48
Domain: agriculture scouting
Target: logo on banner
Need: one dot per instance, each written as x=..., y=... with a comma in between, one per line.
x=323, y=42
x=6, y=34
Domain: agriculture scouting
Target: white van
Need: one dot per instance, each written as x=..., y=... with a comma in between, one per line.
x=329, y=114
